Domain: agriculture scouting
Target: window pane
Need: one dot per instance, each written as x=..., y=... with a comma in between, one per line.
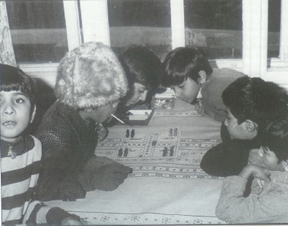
x=214, y=27
x=38, y=30
x=145, y=22
x=274, y=13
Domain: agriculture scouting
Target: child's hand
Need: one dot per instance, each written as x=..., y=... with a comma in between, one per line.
x=109, y=177
x=199, y=107
x=256, y=171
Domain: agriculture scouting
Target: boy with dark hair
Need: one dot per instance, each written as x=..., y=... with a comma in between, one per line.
x=251, y=104
x=189, y=73
x=142, y=69
x=21, y=155
x=267, y=202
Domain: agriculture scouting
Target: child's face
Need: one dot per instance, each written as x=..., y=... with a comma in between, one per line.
x=269, y=159
x=139, y=94
x=242, y=131
x=187, y=90
x=15, y=115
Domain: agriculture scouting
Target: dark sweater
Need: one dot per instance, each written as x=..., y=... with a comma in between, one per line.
x=229, y=157
x=68, y=142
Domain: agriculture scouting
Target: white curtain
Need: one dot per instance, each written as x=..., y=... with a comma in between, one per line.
x=6, y=48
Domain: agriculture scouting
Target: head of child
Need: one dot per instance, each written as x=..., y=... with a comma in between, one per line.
x=91, y=80
x=18, y=107
x=142, y=68
x=251, y=104
x=274, y=150
x=185, y=71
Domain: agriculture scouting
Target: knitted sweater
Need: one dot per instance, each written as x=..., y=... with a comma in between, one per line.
x=267, y=202
x=19, y=175
x=212, y=91
x=68, y=142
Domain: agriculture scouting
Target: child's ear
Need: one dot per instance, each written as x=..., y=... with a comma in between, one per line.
x=203, y=77
x=251, y=126
x=33, y=114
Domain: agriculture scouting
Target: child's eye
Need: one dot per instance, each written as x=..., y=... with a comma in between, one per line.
x=19, y=101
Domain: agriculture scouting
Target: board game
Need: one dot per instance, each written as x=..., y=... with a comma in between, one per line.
x=162, y=153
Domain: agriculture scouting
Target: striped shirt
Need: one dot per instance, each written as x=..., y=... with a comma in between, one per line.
x=20, y=172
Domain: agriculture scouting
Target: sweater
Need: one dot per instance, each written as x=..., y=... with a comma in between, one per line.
x=267, y=202
x=68, y=143
x=229, y=157
x=212, y=91
x=20, y=167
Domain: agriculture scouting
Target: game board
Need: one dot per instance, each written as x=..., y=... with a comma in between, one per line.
x=162, y=153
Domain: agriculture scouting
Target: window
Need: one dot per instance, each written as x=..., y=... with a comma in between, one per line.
x=145, y=22
x=214, y=27
x=274, y=14
x=249, y=36
x=37, y=30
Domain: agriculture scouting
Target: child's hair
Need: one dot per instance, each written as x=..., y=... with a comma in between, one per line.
x=276, y=138
x=14, y=79
x=184, y=62
x=256, y=100
x=141, y=65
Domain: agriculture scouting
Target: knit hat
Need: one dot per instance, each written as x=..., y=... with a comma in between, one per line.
x=90, y=76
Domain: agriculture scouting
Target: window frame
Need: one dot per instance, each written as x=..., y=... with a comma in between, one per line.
x=255, y=33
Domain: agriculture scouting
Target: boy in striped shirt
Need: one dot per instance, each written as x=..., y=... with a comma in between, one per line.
x=21, y=155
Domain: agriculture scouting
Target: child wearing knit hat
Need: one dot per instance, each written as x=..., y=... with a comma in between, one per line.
x=89, y=84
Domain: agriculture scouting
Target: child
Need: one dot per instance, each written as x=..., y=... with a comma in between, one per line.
x=251, y=104
x=189, y=73
x=267, y=202
x=143, y=69
x=21, y=155
x=89, y=84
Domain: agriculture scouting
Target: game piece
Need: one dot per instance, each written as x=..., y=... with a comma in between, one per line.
x=175, y=132
x=120, y=152
x=132, y=133
x=170, y=132
x=165, y=152
x=172, y=150
x=125, y=152
x=127, y=133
